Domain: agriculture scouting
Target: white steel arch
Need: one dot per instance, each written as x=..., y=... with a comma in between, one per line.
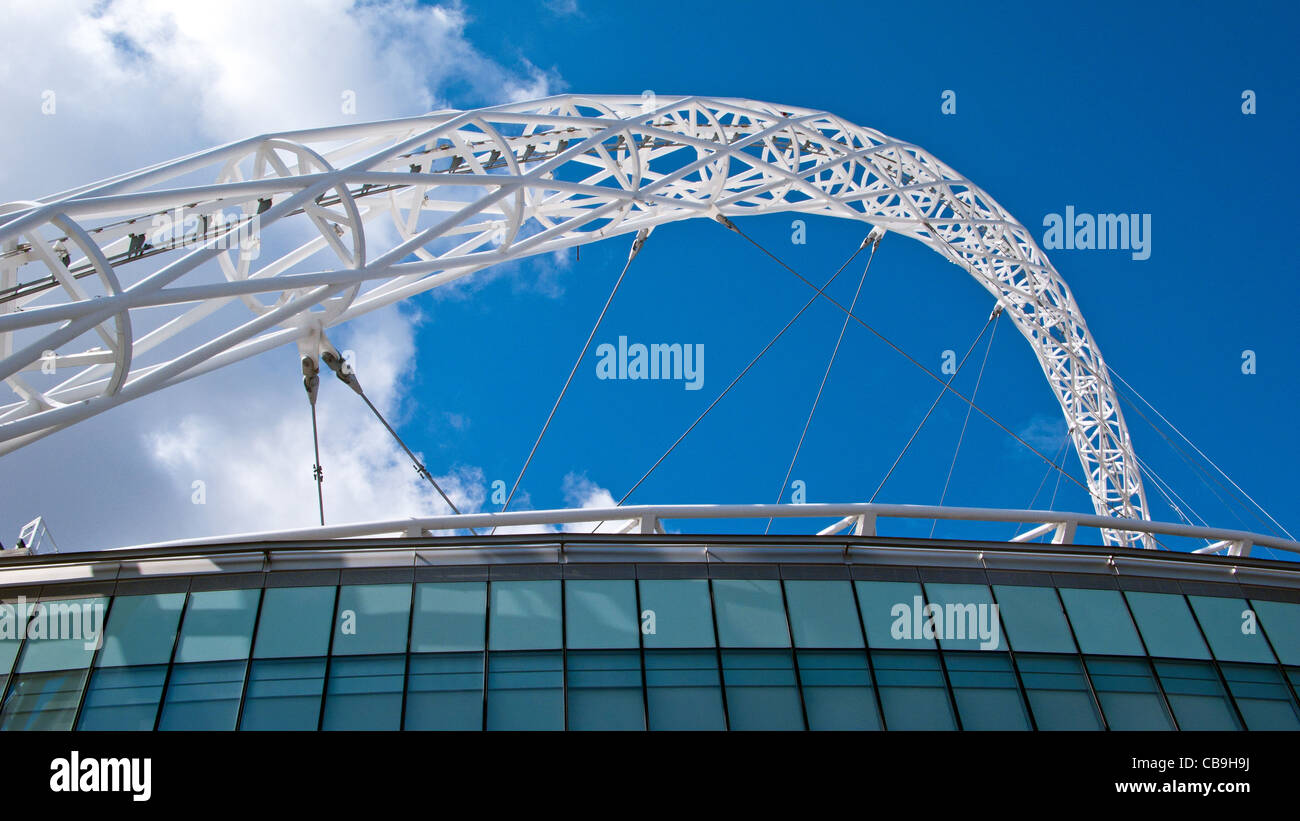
x=356, y=217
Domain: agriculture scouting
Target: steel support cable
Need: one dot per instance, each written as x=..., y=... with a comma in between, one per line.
x=731, y=225
x=745, y=370
x=311, y=382
x=1193, y=446
x=822, y=387
x=1059, y=454
x=348, y=377
x=1169, y=494
x=637, y=244
x=961, y=436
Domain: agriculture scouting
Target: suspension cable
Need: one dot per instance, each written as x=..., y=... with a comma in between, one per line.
x=311, y=382
x=1059, y=453
x=637, y=244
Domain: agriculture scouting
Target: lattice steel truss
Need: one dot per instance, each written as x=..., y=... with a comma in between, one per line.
x=335, y=222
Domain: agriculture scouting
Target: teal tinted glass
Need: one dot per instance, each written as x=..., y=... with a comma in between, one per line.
x=1128, y=694
x=444, y=691
x=1101, y=622
x=912, y=690
x=295, y=622
x=1232, y=629
x=683, y=690
x=525, y=690
x=1262, y=696
x=893, y=615
x=762, y=693
x=63, y=635
x=218, y=625
x=823, y=614
x=837, y=691
x=604, y=690
x=1034, y=619
x=43, y=701
x=600, y=614
x=1196, y=696
x=372, y=619
x=141, y=630
x=284, y=694
x=13, y=626
x=985, y=689
x=676, y=613
x=1281, y=623
x=365, y=693
x=203, y=696
x=1167, y=625
x=750, y=613
x=123, y=698
x=449, y=617
x=969, y=618
x=1058, y=692
x=525, y=615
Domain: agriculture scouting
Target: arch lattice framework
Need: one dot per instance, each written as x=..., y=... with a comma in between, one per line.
x=356, y=217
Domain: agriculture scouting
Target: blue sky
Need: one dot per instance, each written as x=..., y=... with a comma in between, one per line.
x=1107, y=108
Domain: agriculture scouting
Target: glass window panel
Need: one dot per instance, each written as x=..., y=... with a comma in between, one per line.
x=985, y=689
x=43, y=701
x=892, y=615
x=912, y=691
x=750, y=613
x=444, y=691
x=141, y=631
x=285, y=694
x=449, y=617
x=762, y=693
x=1128, y=694
x=1101, y=622
x=1167, y=625
x=13, y=626
x=969, y=619
x=1034, y=619
x=295, y=622
x=1058, y=693
x=123, y=698
x=679, y=611
x=218, y=626
x=1233, y=635
x=203, y=696
x=525, y=690
x=837, y=690
x=600, y=614
x=1281, y=622
x=365, y=692
x=525, y=615
x=62, y=635
x=372, y=619
x=1262, y=697
x=1196, y=696
x=684, y=690
x=823, y=614
x=604, y=690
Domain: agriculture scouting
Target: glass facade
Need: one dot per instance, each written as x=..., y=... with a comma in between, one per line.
x=761, y=653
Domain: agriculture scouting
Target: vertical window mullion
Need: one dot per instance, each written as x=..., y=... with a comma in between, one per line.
x=1083, y=665
x=171, y=662
x=1015, y=665
x=1218, y=671
x=248, y=663
x=794, y=655
x=717, y=650
x=866, y=649
x=1146, y=652
x=329, y=655
x=90, y=671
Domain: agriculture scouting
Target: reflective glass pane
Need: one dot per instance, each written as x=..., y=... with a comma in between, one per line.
x=372, y=619
x=62, y=635
x=1167, y=625
x=1196, y=696
x=525, y=690
x=295, y=622
x=604, y=690
x=449, y=617
x=203, y=696
x=677, y=613
x=762, y=693
x=43, y=701
x=893, y=615
x=285, y=694
x=823, y=614
x=837, y=690
x=364, y=693
x=1101, y=622
x=969, y=617
x=1058, y=693
x=217, y=626
x=1034, y=619
x=600, y=614
x=445, y=692
x=750, y=613
x=141, y=630
x=1281, y=622
x=525, y=615
x=1232, y=629
x=985, y=688
x=13, y=626
x=912, y=691
x=684, y=690
x=1128, y=694
x=1262, y=697
x=123, y=698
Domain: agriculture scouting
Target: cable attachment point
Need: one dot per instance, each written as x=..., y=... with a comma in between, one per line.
x=873, y=239
x=997, y=311
x=343, y=370
x=726, y=223
x=641, y=237
x=310, y=379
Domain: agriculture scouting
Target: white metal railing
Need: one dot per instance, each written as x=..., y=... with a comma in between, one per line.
x=862, y=517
